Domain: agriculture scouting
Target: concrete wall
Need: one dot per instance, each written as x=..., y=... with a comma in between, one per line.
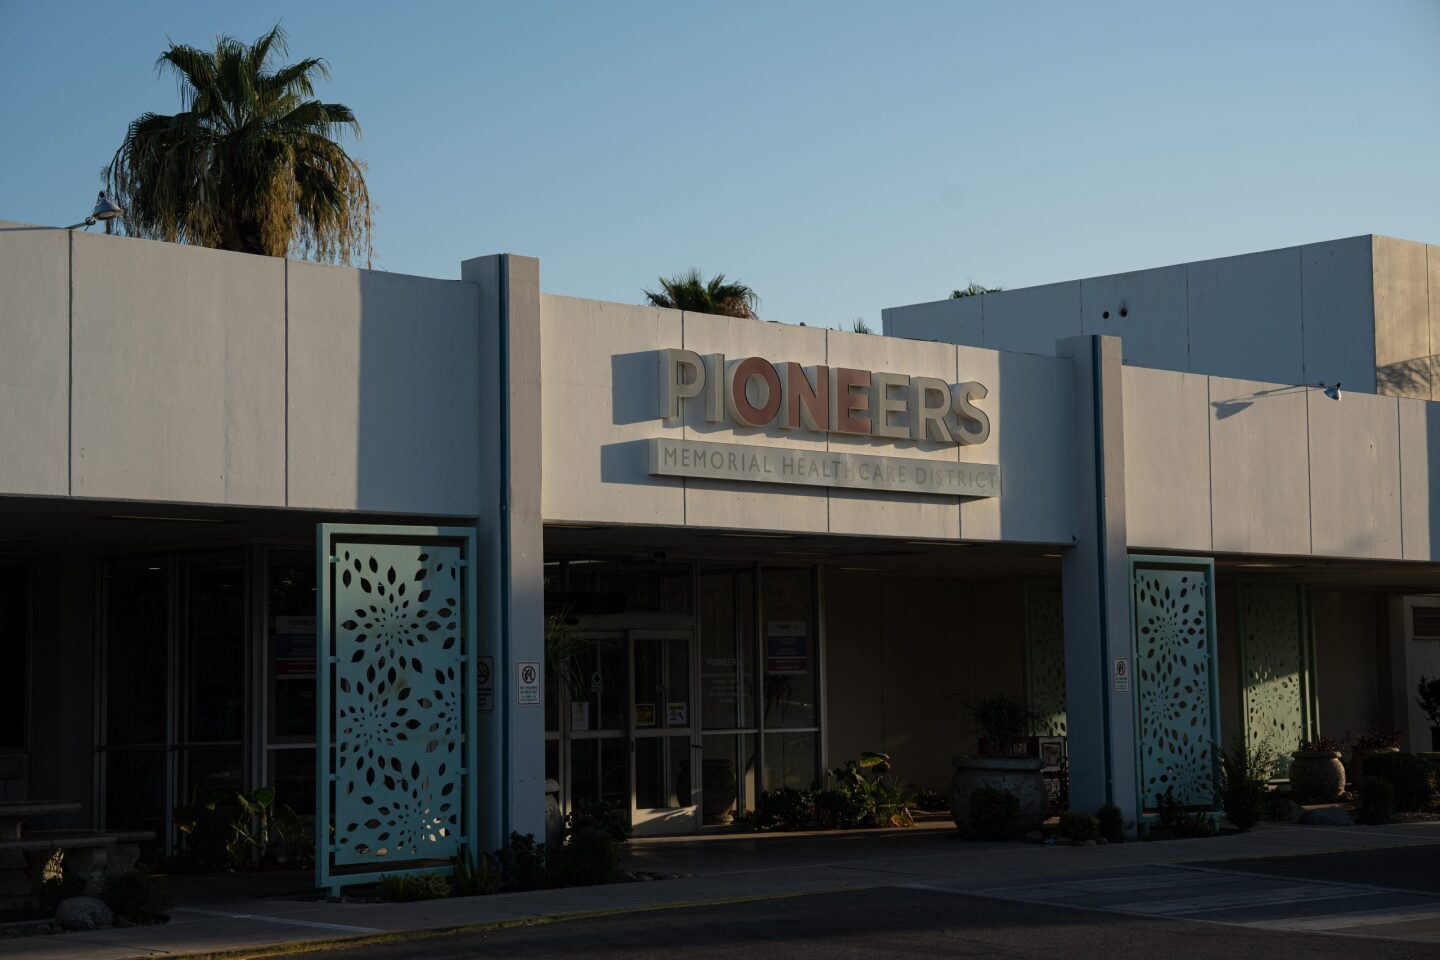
x=600, y=407
x=1240, y=466
x=899, y=676
x=1297, y=315
x=137, y=370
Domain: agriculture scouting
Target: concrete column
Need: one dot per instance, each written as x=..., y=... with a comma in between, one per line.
x=1096, y=581
x=512, y=548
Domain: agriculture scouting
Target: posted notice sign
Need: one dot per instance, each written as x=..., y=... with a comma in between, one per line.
x=1120, y=673
x=527, y=689
x=786, y=643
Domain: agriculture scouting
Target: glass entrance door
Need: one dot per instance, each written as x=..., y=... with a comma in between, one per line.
x=662, y=741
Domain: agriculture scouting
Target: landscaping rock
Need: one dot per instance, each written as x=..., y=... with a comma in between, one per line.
x=83, y=913
x=1327, y=817
x=1091, y=843
x=1295, y=811
x=1101, y=842
x=1034, y=836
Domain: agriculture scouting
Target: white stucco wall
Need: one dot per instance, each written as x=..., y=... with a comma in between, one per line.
x=1295, y=315
x=34, y=359
x=1240, y=466
x=601, y=403
x=138, y=370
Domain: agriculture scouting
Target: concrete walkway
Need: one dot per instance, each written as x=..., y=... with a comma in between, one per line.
x=214, y=915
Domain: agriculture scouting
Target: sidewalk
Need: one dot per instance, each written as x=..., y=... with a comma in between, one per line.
x=214, y=915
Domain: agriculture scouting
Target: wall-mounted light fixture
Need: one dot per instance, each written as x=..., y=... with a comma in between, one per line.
x=1332, y=392
x=105, y=211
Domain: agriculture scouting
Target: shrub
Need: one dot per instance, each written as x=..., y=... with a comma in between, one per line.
x=1377, y=800
x=928, y=799
x=136, y=896
x=1319, y=744
x=994, y=814
x=1176, y=822
x=408, y=887
x=600, y=815
x=1277, y=807
x=1412, y=778
x=1111, y=822
x=471, y=879
x=592, y=856
x=784, y=809
x=1079, y=826
x=844, y=807
x=522, y=863
x=1244, y=773
x=1376, y=739
x=1002, y=720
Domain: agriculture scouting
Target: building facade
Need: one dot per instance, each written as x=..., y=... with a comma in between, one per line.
x=264, y=522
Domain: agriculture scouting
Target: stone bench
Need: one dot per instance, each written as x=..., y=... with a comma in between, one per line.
x=88, y=853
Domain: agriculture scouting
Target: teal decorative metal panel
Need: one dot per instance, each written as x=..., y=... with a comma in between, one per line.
x=1045, y=660
x=397, y=731
x=1175, y=683
x=1274, y=669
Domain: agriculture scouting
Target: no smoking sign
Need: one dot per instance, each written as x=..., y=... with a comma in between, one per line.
x=527, y=691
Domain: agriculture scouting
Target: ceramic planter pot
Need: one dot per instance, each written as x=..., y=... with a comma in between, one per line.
x=1019, y=775
x=1355, y=769
x=1316, y=776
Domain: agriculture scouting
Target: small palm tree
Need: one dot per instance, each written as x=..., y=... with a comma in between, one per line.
x=251, y=163
x=973, y=290
x=688, y=291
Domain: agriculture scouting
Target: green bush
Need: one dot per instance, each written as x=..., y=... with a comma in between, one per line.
x=136, y=896
x=1079, y=825
x=930, y=800
x=522, y=863
x=409, y=887
x=1377, y=800
x=1112, y=823
x=1412, y=777
x=471, y=879
x=605, y=815
x=844, y=807
x=785, y=809
x=1244, y=773
x=1178, y=823
x=592, y=856
x=994, y=814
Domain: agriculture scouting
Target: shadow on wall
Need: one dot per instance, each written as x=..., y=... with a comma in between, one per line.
x=639, y=402
x=1408, y=378
x=1224, y=409
x=418, y=386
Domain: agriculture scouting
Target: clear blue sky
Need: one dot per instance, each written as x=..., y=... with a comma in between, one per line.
x=838, y=157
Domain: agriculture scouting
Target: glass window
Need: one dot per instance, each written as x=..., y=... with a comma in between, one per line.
x=727, y=648
x=790, y=760
x=214, y=686
x=622, y=586
x=290, y=648
x=728, y=777
x=137, y=655
x=792, y=670
x=292, y=774
x=14, y=653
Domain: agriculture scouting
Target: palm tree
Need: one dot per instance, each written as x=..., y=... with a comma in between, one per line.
x=688, y=291
x=973, y=290
x=251, y=163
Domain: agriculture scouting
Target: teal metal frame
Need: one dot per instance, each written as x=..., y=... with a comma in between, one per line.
x=1192, y=564
x=328, y=535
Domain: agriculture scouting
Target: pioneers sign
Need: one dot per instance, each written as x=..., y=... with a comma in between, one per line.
x=752, y=392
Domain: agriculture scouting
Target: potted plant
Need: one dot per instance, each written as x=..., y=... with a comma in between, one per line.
x=1003, y=722
x=1429, y=701
x=1316, y=773
x=1367, y=745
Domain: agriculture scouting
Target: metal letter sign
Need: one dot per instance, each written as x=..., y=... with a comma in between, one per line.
x=396, y=748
